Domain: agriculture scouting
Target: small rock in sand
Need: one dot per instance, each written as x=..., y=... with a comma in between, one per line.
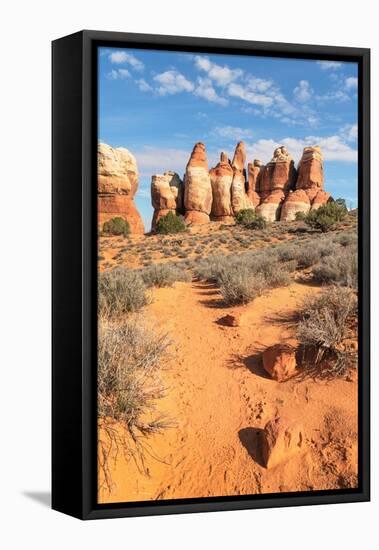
x=234, y=319
x=283, y=439
x=279, y=361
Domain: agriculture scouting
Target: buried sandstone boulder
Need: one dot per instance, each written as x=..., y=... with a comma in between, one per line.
x=279, y=361
x=283, y=439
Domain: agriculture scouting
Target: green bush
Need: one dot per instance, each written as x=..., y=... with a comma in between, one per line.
x=170, y=223
x=248, y=218
x=121, y=291
x=300, y=216
x=116, y=226
x=326, y=216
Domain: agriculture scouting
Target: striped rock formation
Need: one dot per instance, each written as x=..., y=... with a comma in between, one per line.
x=278, y=178
x=221, y=180
x=296, y=201
x=310, y=171
x=276, y=191
x=279, y=173
x=270, y=207
x=197, y=187
x=240, y=199
x=309, y=193
x=254, y=176
x=320, y=199
x=117, y=185
x=166, y=195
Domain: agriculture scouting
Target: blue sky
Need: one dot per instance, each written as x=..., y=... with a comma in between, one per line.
x=159, y=104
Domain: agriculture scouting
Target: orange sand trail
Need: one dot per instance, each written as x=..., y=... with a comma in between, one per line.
x=220, y=398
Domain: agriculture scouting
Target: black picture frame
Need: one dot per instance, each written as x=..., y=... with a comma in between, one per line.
x=74, y=272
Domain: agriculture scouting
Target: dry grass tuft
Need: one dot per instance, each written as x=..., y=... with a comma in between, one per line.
x=325, y=323
x=130, y=355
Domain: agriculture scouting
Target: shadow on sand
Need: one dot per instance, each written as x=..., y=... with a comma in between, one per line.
x=251, y=362
x=251, y=439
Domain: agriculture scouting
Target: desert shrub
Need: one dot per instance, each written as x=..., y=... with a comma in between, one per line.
x=300, y=216
x=245, y=216
x=341, y=203
x=339, y=268
x=161, y=275
x=347, y=239
x=129, y=358
x=326, y=216
x=273, y=273
x=287, y=252
x=116, y=226
x=209, y=269
x=324, y=326
x=242, y=277
x=121, y=291
x=307, y=253
x=248, y=218
x=171, y=223
x=308, y=256
x=240, y=286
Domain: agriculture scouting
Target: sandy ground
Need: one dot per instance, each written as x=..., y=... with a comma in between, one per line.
x=221, y=399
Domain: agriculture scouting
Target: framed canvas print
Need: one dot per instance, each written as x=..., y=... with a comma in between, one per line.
x=210, y=274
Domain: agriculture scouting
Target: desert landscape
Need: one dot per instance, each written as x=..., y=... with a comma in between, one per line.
x=227, y=342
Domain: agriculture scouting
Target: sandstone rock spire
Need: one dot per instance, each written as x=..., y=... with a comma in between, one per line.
x=197, y=187
x=221, y=180
x=254, y=176
x=240, y=199
x=117, y=185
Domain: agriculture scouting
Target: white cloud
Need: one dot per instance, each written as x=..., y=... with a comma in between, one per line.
x=351, y=83
x=333, y=148
x=143, y=85
x=233, y=132
x=172, y=82
x=221, y=75
x=327, y=65
x=123, y=73
x=258, y=84
x=236, y=90
x=116, y=74
x=112, y=75
x=205, y=90
x=339, y=96
x=349, y=132
x=119, y=57
x=156, y=160
x=303, y=92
